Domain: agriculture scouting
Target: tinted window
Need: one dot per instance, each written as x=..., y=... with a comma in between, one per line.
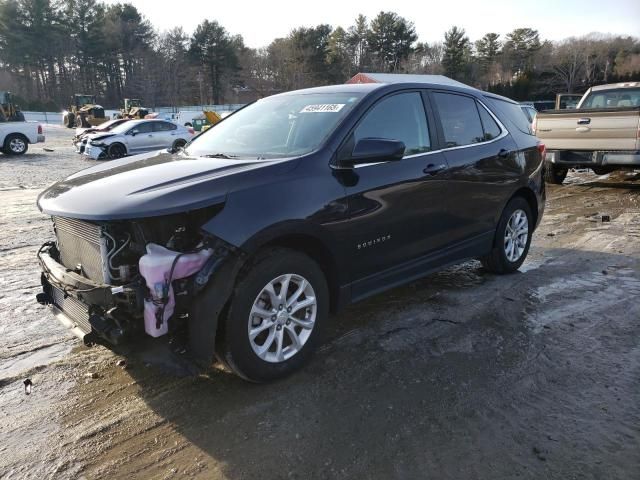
x=491, y=128
x=399, y=117
x=512, y=112
x=163, y=126
x=143, y=127
x=623, y=97
x=460, y=119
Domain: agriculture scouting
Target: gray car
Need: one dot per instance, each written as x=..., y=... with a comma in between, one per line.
x=136, y=136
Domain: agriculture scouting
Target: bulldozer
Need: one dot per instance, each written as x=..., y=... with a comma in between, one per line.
x=133, y=109
x=9, y=112
x=83, y=112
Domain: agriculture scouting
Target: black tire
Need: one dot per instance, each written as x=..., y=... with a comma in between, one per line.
x=235, y=349
x=116, y=150
x=496, y=261
x=178, y=144
x=69, y=120
x=19, y=117
x=15, y=144
x=602, y=170
x=554, y=174
x=188, y=124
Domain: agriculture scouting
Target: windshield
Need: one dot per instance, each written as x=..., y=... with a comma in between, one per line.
x=110, y=124
x=123, y=127
x=275, y=127
x=85, y=100
x=622, y=97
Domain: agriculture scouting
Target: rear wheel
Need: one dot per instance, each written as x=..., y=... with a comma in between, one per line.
x=512, y=240
x=554, y=174
x=178, y=144
x=602, y=170
x=275, y=316
x=15, y=144
x=117, y=150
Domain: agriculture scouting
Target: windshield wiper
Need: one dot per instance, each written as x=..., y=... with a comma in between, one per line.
x=219, y=155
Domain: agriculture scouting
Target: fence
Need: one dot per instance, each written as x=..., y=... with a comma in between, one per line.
x=56, y=117
x=43, y=117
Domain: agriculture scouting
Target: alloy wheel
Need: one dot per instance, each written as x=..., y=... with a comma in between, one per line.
x=282, y=318
x=17, y=145
x=516, y=235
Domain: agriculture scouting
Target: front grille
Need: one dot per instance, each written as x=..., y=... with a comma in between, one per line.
x=82, y=248
x=73, y=308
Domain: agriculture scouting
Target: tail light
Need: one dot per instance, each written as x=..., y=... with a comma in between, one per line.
x=534, y=124
x=191, y=130
x=39, y=129
x=543, y=151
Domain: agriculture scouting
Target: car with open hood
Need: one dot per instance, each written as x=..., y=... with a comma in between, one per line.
x=292, y=207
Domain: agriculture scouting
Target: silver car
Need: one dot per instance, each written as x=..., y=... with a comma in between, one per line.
x=136, y=136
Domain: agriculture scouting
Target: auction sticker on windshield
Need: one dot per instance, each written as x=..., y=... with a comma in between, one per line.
x=323, y=107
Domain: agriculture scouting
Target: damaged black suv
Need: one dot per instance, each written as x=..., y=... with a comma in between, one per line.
x=290, y=208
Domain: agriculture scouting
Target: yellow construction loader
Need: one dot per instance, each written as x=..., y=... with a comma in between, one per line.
x=9, y=112
x=83, y=112
x=133, y=109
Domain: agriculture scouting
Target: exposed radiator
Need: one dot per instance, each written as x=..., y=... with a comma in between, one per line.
x=82, y=248
x=74, y=309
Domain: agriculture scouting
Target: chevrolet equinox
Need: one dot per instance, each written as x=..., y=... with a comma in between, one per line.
x=289, y=209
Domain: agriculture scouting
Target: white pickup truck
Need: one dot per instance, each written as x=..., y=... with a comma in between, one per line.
x=15, y=137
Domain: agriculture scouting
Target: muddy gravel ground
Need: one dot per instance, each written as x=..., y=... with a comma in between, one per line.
x=460, y=375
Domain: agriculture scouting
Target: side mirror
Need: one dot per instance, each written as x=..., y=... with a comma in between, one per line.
x=369, y=150
x=133, y=133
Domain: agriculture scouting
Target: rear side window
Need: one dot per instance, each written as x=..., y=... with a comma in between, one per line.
x=146, y=127
x=460, y=119
x=489, y=125
x=622, y=97
x=512, y=112
x=399, y=117
x=163, y=126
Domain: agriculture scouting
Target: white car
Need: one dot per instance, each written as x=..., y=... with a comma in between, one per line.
x=15, y=137
x=136, y=136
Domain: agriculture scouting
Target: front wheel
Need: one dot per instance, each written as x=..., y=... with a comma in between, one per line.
x=15, y=145
x=117, y=150
x=275, y=317
x=512, y=240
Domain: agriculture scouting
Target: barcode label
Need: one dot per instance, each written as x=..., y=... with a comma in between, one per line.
x=323, y=107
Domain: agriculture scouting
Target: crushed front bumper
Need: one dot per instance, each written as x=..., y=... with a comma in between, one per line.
x=79, y=304
x=95, y=152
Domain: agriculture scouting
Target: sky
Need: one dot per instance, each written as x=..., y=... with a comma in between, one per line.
x=259, y=22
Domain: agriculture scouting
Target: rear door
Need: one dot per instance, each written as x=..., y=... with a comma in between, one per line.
x=165, y=133
x=397, y=208
x=483, y=165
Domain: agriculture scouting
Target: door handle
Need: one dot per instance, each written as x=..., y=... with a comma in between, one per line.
x=584, y=121
x=433, y=169
x=504, y=153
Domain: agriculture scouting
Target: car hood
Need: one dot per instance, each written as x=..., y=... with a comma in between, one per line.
x=100, y=135
x=153, y=184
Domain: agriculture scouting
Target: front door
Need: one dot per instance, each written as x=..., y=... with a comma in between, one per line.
x=140, y=138
x=397, y=208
